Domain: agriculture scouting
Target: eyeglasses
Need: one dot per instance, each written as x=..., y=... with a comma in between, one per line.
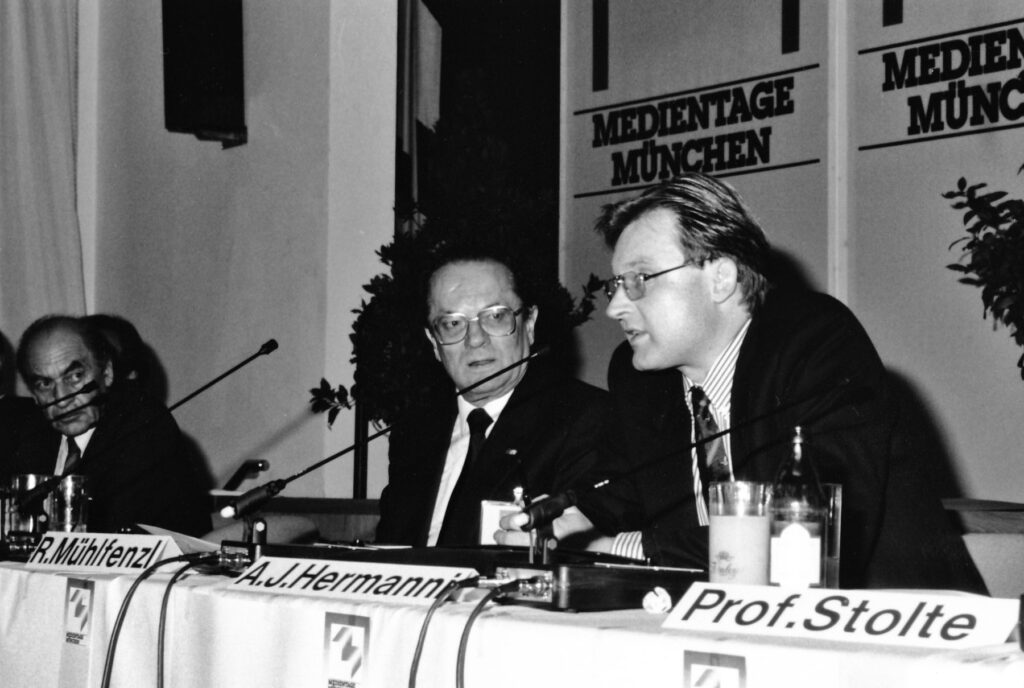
x=496, y=321
x=636, y=282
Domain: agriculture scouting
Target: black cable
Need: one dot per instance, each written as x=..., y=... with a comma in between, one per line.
x=441, y=598
x=460, y=664
x=163, y=615
x=115, y=632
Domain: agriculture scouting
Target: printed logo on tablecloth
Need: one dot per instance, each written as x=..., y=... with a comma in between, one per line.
x=77, y=611
x=346, y=648
x=713, y=670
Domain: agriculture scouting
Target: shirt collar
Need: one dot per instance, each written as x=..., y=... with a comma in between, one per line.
x=494, y=407
x=718, y=384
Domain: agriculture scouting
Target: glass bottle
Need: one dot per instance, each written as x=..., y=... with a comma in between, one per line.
x=798, y=522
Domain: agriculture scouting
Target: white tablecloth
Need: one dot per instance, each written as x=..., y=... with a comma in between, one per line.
x=222, y=637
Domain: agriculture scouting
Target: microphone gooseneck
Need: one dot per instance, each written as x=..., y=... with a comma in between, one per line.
x=542, y=351
x=258, y=496
x=89, y=386
x=268, y=346
x=543, y=512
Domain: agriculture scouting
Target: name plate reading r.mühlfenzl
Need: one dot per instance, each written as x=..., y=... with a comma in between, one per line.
x=349, y=579
x=100, y=552
x=912, y=618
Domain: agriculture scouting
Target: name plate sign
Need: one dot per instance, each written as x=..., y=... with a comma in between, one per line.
x=101, y=552
x=917, y=619
x=349, y=579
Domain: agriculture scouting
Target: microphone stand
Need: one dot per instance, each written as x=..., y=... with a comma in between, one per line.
x=268, y=346
x=258, y=496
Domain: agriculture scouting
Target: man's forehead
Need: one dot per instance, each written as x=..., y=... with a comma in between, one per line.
x=647, y=241
x=482, y=283
x=58, y=351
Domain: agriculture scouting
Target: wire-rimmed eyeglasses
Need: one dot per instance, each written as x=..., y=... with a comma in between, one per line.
x=496, y=321
x=636, y=282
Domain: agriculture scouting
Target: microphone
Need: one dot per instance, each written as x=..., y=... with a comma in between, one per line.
x=542, y=351
x=541, y=513
x=268, y=346
x=258, y=496
x=31, y=503
x=89, y=386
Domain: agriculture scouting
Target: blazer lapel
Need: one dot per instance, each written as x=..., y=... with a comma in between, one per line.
x=513, y=430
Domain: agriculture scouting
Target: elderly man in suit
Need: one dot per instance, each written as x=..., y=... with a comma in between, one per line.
x=127, y=445
x=531, y=427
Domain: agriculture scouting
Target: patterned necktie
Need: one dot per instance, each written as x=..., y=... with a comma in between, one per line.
x=713, y=462
x=462, y=517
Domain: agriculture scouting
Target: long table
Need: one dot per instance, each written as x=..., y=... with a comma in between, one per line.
x=217, y=636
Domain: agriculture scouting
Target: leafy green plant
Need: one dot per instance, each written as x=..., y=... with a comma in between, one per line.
x=992, y=254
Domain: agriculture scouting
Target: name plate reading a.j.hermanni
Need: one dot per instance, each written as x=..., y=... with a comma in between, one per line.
x=349, y=579
x=100, y=552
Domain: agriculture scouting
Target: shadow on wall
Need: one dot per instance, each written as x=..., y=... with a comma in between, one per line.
x=918, y=534
x=919, y=446
x=137, y=363
x=919, y=537
x=7, y=372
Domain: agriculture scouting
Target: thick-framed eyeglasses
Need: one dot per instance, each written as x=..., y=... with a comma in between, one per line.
x=635, y=283
x=496, y=321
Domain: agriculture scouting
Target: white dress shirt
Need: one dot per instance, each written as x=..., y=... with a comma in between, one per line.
x=456, y=457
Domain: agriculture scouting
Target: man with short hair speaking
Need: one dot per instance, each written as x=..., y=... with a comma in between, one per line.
x=709, y=338
x=127, y=445
x=532, y=427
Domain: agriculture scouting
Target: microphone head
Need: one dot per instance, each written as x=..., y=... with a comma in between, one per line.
x=268, y=346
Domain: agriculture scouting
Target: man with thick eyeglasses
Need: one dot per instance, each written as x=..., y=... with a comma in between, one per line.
x=541, y=427
x=127, y=445
x=706, y=333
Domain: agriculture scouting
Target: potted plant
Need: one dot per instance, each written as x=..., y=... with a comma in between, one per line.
x=992, y=254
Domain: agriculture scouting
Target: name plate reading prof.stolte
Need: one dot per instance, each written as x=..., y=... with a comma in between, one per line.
x=101, y=552
x=349, y=579
x=911, y=618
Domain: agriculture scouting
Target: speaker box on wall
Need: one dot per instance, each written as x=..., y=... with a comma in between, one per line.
x=204, y=90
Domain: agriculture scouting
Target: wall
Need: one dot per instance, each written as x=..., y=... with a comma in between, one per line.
x=211, y=252
x=846, y=190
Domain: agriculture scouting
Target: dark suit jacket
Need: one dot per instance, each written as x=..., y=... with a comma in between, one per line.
x=19, y=417
x=805, y=361
x=136, y=467
x=552, y=421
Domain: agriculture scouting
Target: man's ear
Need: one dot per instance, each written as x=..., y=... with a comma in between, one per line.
x=530, y=323
x=108, y=374
x=433, y=344
x=724, y=279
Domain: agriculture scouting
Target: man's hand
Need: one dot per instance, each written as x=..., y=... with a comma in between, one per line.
x=572, y=529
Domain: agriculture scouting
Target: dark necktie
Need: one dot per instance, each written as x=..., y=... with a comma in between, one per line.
x=73, y=457
x=711, y=459
x=462, y=517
